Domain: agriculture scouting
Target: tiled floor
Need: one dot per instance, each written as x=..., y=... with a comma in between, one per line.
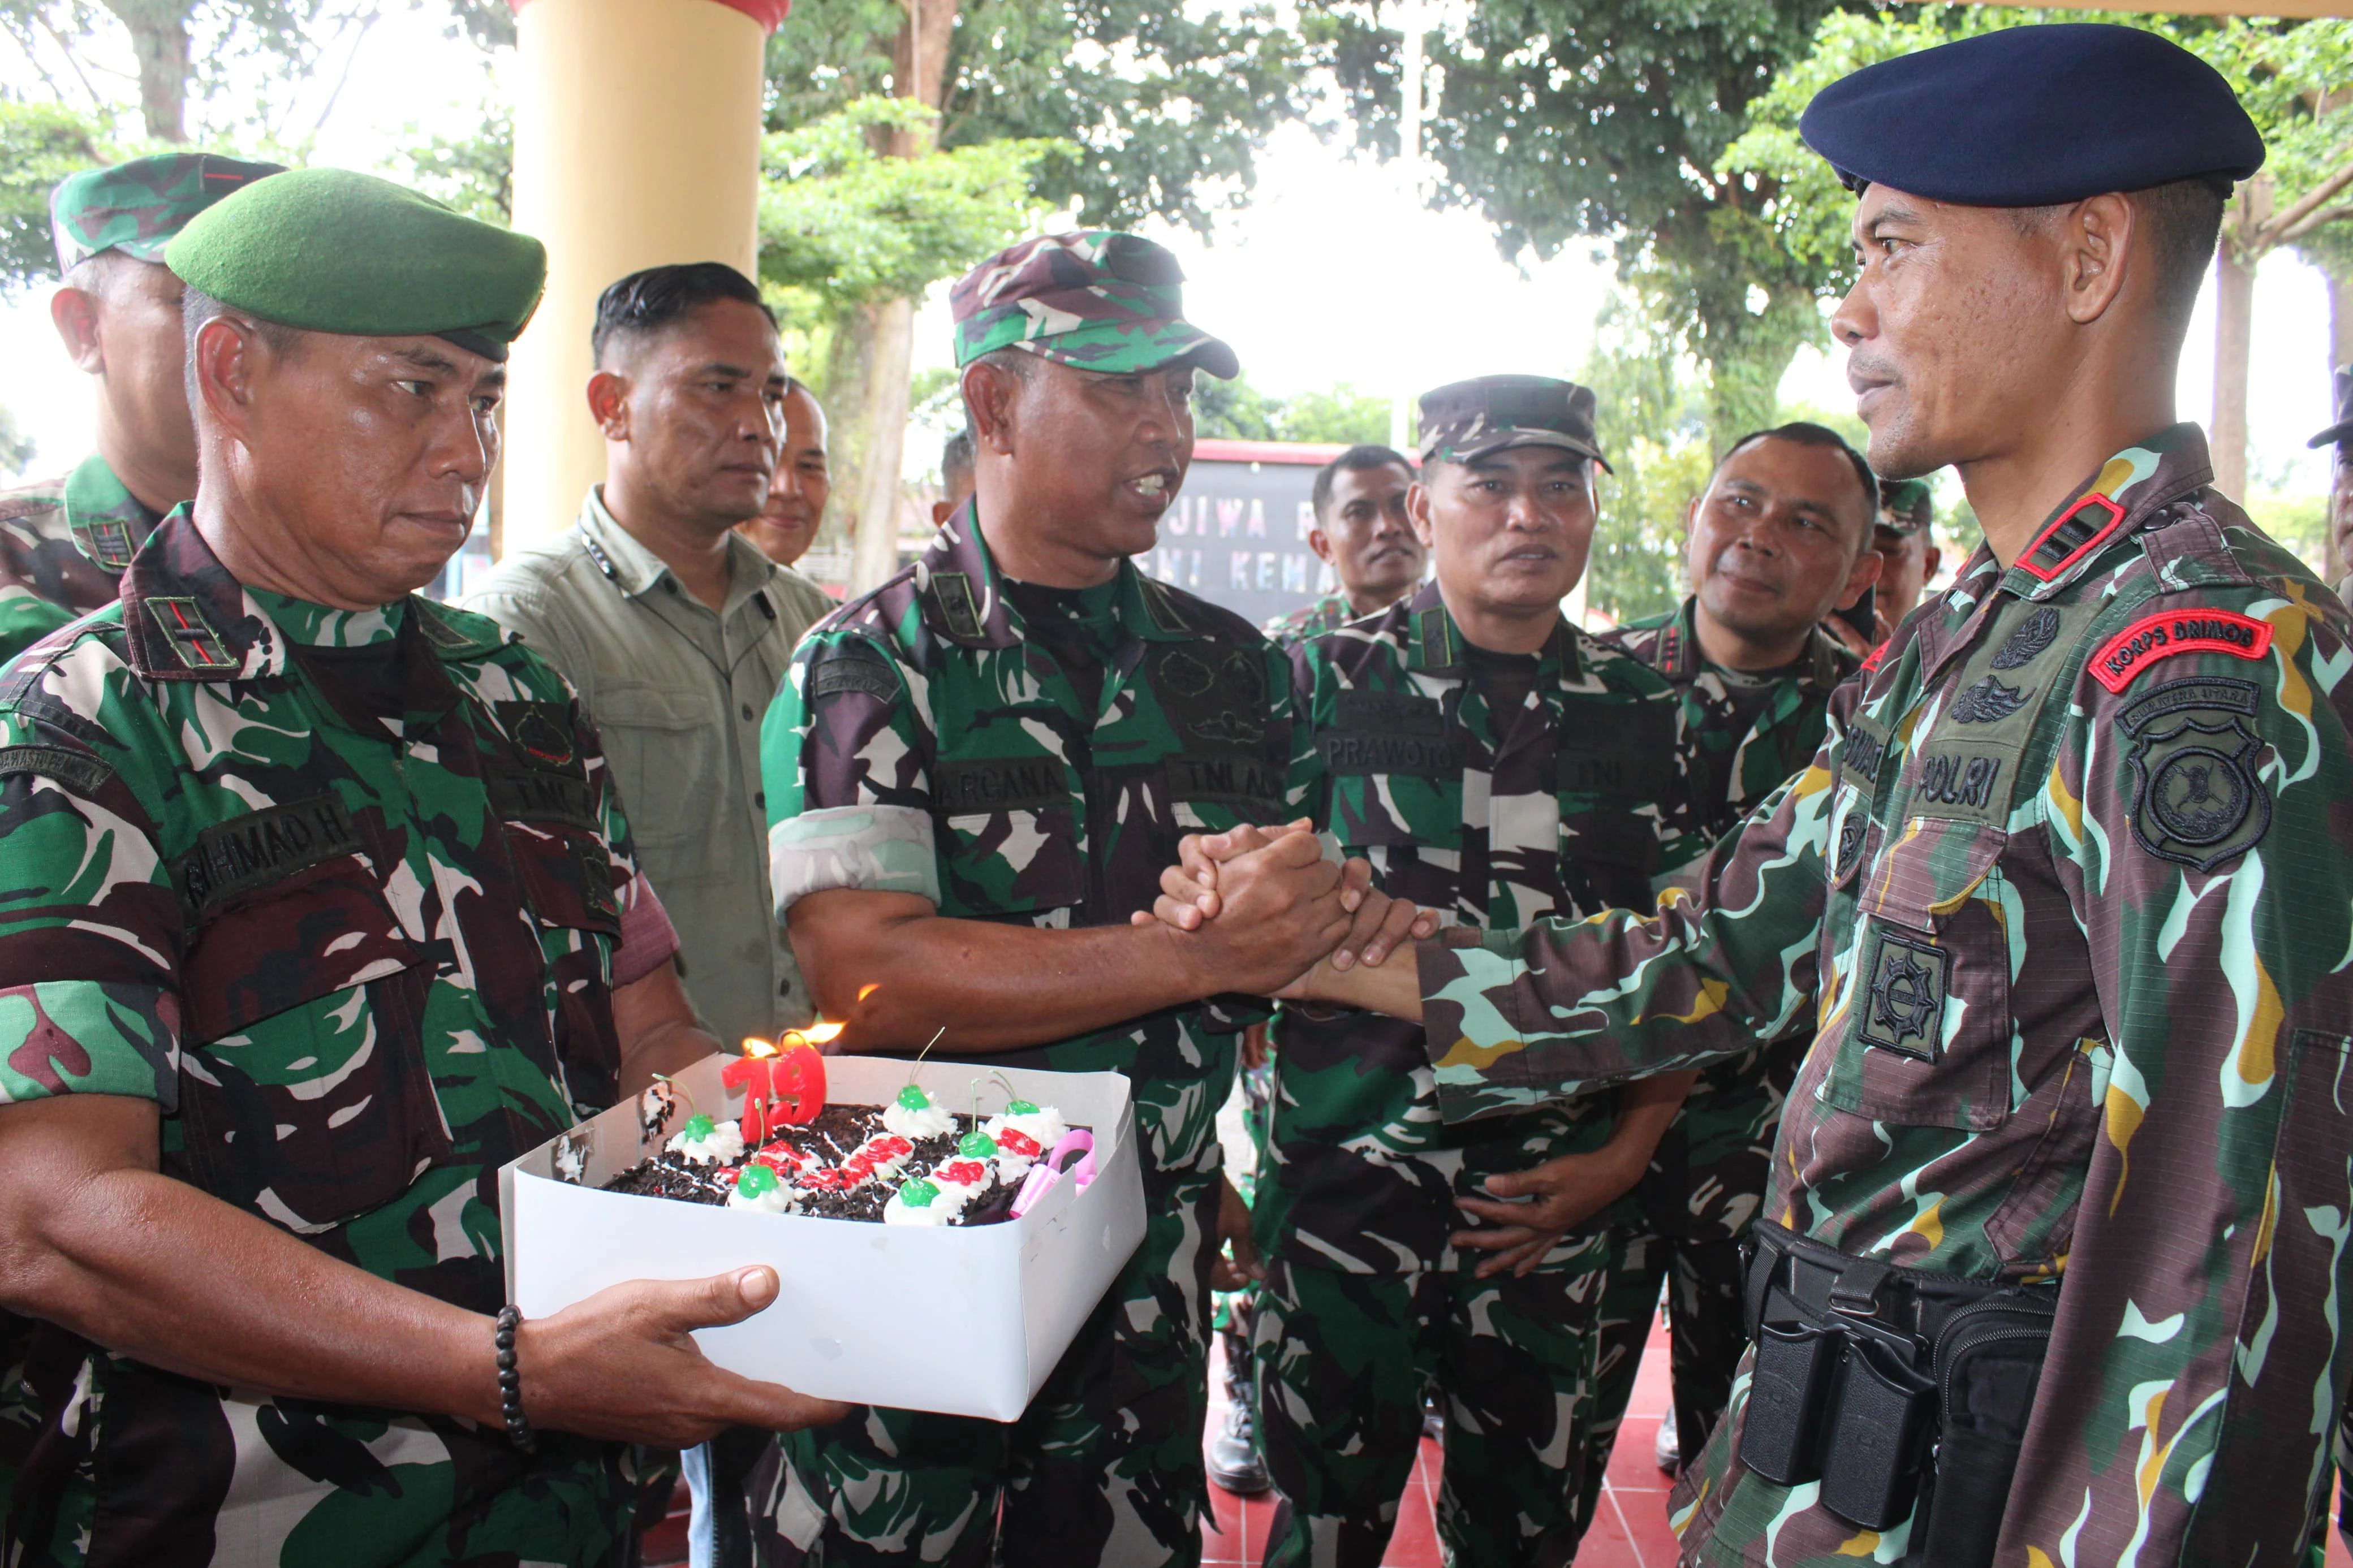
x=1631, y=1532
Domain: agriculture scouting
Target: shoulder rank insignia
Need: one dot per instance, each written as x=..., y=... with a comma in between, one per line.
x=189, y=635
x=2197, y=798
x=2123, y=656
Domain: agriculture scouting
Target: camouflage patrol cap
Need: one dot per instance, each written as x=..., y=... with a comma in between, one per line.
x=1469, y=419
x=1098, y=300
x=2343, y=429
x=136, y=207
x=1905, y=506
x=328, y=250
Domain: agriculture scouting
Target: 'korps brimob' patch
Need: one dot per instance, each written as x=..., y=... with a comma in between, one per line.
x=2123, y=656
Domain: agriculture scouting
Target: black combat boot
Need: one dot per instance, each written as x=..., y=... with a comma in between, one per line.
x=1232, y=1450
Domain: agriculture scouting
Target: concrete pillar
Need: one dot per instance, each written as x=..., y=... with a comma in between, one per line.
x=637, y=143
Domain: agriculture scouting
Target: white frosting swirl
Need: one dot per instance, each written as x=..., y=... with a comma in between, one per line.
x=1044, y=1125
x=916, y=1126
x=777, y=1199
x=724, y=1143
x=944, y=1209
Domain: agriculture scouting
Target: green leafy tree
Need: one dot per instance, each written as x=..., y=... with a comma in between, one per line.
x=1603, y=121
x=40, y=143
x=1161, y=111
x=16, y=448
x=1235, y=411
x=1341, y=415
x=474, y=173
x=1652, y=418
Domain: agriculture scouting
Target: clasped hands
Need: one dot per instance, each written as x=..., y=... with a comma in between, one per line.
x=1279, y=914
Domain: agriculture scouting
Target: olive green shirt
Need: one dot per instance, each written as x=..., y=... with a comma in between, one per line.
x=677, y=691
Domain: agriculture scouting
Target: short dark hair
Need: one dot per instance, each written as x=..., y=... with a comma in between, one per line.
x=645, y=302
x=1355, y=460
x=196, y=308
x=955, y=458
x=1805, y=433
x=2184, y=218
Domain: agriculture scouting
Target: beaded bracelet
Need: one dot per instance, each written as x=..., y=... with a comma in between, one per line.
x=511, y=1382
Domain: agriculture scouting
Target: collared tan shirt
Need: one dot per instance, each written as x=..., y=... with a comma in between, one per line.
x=677, y=691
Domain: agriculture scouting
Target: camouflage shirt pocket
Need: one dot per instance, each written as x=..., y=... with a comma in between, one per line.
x=567, y=883
x=1009, y=843
x=1924, y=1037
x=303, y=1093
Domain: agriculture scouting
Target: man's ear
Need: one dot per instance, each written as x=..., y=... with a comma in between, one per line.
x=608, y=404
x=2101, y=245
x=990, y=393
x=75, y=312
x=1321, y=543
x=225, y=364
x=1868, y=565
x=1417, y=507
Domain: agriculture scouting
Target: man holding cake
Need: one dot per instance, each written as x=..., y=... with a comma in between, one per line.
x=975, y=776
x=320, y=907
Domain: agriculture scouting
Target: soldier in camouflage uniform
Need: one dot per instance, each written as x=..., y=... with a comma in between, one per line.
x=1493, y=762
x=65, y=541
x=974, y=777
x=1363, y=536
x=1780, y=537
x=317, y=915
x=2065, y=893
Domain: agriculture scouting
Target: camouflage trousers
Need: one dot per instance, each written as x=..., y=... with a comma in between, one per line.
x=1342, y=1361
x=1706, y=1328
x=1230, y=1311
x=1103, y=1469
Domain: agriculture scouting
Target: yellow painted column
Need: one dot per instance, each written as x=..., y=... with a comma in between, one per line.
x=636, y=144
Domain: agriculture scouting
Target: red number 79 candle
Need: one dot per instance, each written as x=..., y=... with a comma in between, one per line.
x=780, y=1089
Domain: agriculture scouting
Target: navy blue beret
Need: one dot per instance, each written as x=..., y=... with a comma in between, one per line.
x=2031, y=117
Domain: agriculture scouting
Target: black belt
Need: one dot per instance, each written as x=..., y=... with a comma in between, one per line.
x=1883, y=1381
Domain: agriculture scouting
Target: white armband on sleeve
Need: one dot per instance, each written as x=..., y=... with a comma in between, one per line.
x=874, y=848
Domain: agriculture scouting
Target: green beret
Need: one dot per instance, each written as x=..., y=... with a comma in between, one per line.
x=330, y=251
x=136, y=207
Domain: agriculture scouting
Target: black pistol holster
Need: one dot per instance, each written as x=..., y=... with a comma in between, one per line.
x=1886, y=1383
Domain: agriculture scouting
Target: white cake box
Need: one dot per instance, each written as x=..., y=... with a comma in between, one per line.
x=963, y=1320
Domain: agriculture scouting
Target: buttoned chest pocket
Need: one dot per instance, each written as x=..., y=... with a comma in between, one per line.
x=567, y=878
x=667, y=749
x=304, y=1094
x=1009, y=841
x=1925, y=1041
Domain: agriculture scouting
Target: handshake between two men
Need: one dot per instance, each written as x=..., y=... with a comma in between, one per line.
x=1323, y=936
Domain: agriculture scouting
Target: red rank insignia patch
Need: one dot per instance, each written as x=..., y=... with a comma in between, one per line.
x=2152, y=637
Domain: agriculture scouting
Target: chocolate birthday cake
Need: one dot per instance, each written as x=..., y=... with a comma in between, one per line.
x=909, y=1162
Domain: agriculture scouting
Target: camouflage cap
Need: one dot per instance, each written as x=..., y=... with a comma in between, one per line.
x=2342, y=431
x=136, y=207
x=1468, y=419
x=1097, y=299
x=1905, y=506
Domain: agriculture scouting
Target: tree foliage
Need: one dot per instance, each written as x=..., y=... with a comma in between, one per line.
x=1604, y=120
x=474, y=174
x=40, y=143
x=845, y=226
x=1652, y=420
x=1157, y=112
x=1235, y=410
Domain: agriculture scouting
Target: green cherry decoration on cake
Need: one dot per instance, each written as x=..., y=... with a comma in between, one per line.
x=1020, y=1108
x=758, y=1187
x=698, y=1127
x=977, y=1145
x=915, y=1117
x=917, y=1194
x=705, y=1142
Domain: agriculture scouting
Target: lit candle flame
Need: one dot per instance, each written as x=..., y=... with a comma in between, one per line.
x=869, y=989
x=758, y=1048
x=818, y=1034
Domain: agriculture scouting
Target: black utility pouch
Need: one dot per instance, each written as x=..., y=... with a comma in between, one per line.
x=1989, y=1362
x=1879, y=1428
x=1789, y=1388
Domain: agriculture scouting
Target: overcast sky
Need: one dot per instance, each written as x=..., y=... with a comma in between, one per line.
x=1330, y=276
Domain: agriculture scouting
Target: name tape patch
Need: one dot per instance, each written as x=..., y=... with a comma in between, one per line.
x=261, y=847
x=962, y=788
x=2152, y=637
